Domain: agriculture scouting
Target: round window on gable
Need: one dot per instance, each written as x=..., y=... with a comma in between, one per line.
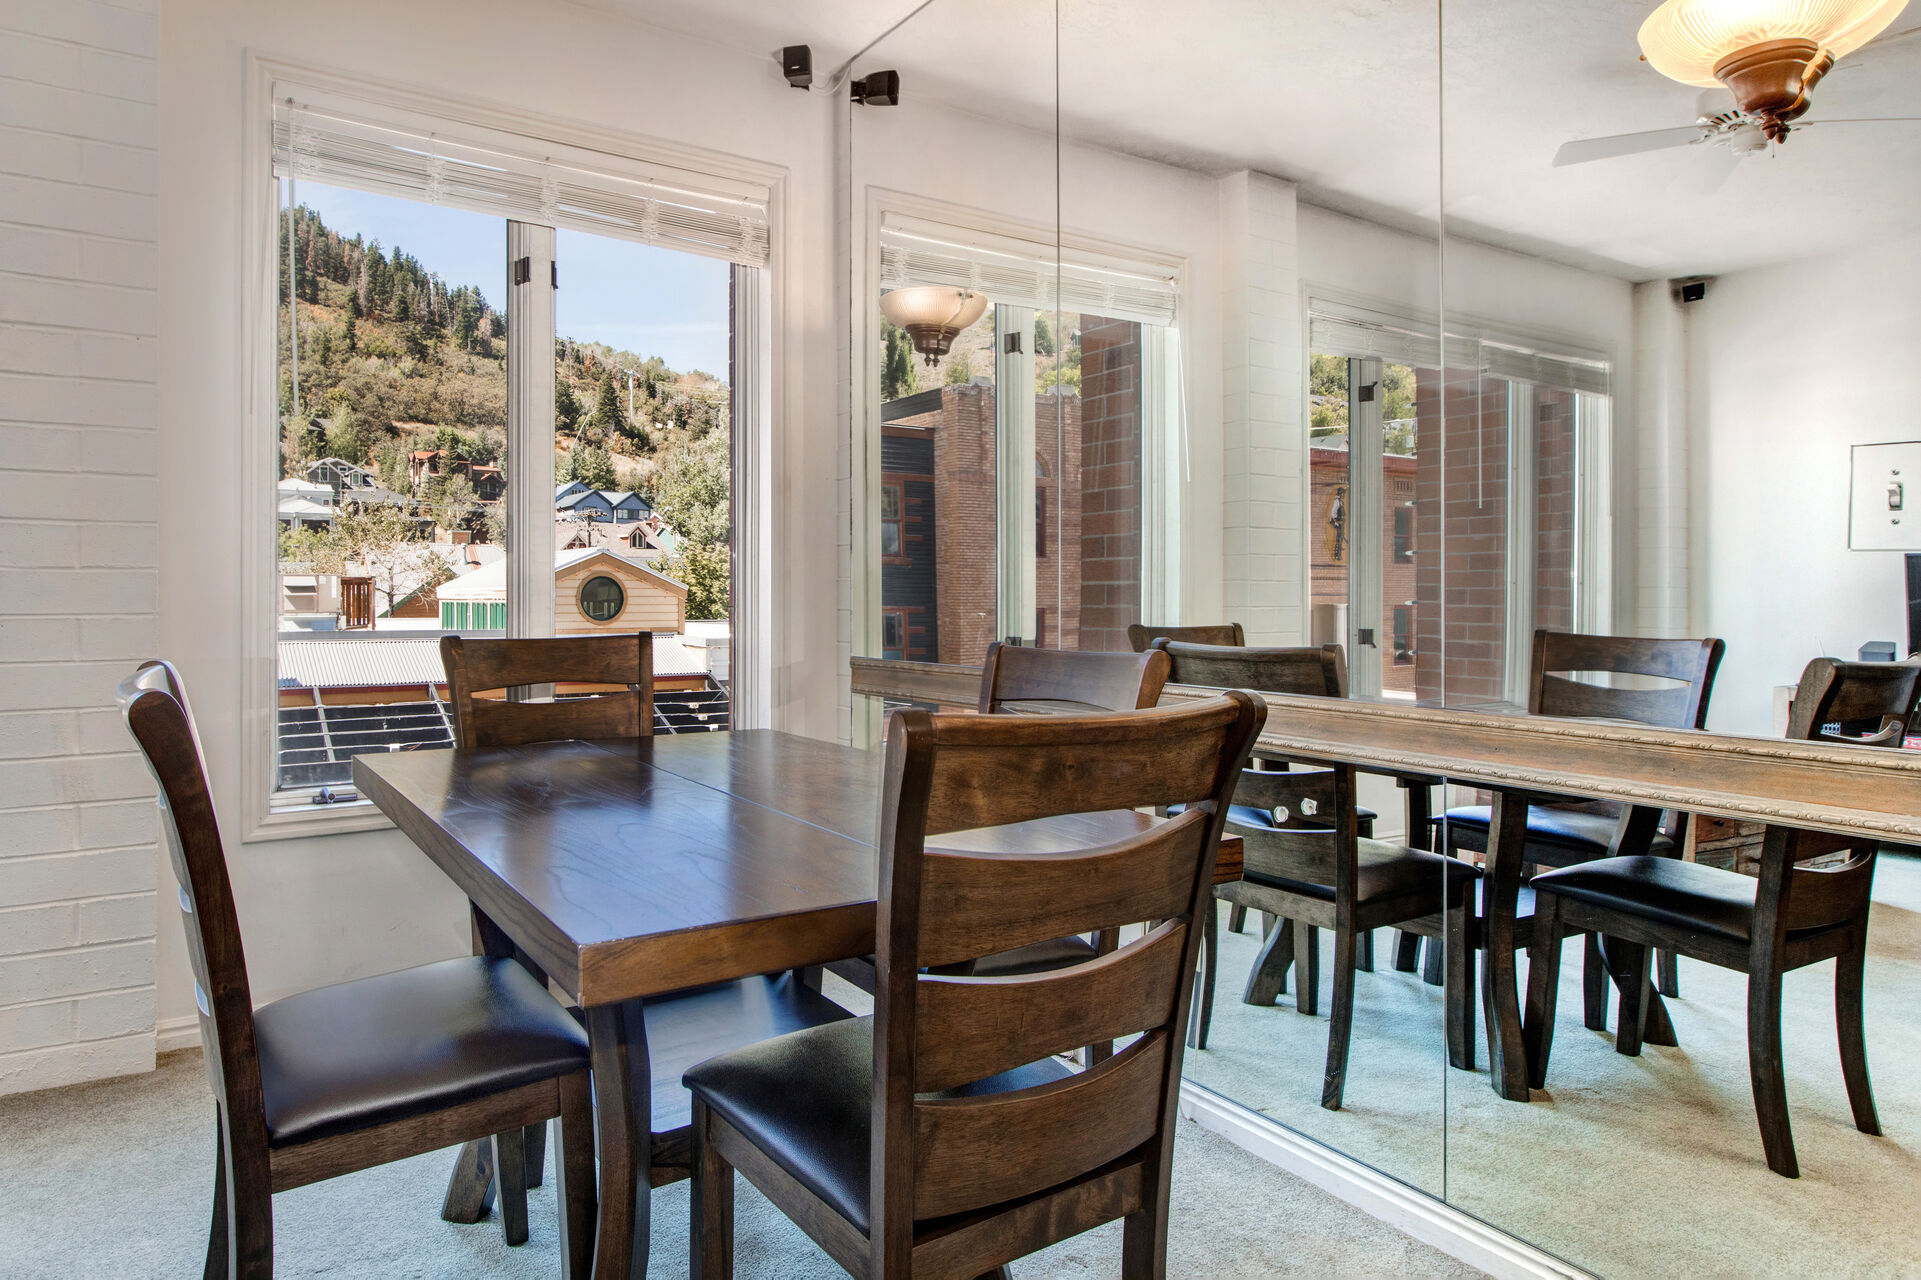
x=602, y=599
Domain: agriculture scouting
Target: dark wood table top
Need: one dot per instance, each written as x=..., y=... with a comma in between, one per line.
x=627, y=869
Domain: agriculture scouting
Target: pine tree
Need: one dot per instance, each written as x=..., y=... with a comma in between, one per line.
x=566, y=408
x=897, y=374
x=608, y=415
x=352, y=337
x=466, y=321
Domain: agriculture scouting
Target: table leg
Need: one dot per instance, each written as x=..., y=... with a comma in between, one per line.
x=623, y=1084
x=470, y=1191
x=1500, y=990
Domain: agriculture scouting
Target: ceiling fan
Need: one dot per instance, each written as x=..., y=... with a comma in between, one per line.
x=1763, y=87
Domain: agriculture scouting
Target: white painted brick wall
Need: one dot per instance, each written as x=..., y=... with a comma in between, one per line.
x=78, y=263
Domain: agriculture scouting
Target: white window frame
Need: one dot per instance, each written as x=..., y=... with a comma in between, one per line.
x=760, y=295
x=1593, y=607
x=1163, y=417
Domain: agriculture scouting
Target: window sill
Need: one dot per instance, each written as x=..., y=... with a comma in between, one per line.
x=301, y=822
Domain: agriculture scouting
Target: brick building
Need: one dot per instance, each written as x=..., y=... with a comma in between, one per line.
x=939, y=497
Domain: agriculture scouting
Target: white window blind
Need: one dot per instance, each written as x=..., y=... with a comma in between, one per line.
x=1023, y=273
x=1337, y=329
x=486, y=171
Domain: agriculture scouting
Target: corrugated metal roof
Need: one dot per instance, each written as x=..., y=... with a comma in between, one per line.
x=384, y=662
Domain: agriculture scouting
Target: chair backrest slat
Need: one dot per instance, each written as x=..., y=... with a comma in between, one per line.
x=1080, y=680
x=1144, y=878
x=622, y=666
x=1692, y=662
x=934, y=1156
x=1313, y=833
x=153, y=702
x=1102, y=766
x=1317, y=671
x=1142, y=636
x=967, y=1028
x=980, y=1151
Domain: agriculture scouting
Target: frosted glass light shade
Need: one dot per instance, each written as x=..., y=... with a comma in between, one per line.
x=933, y=315
x=1685, y=39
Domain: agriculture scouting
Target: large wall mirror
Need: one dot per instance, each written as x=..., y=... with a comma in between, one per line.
x=1412, y=330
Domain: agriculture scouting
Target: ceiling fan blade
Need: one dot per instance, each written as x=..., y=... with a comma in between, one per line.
x=1625, y=144
x=1808, y=124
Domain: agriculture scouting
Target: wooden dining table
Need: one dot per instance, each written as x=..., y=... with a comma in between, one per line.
x=624, y=869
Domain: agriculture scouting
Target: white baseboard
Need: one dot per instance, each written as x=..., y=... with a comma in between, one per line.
x=1427, y=1219
x=170, y=1034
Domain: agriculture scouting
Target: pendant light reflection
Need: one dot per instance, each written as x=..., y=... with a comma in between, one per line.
x=933, y=315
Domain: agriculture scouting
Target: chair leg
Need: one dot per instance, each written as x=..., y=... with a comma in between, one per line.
x=1767, y=1073
x=217, y=1231
x=1434, y=964
x=1236, y=918
x=470, y=1192
x=1460, y=990
x=1667, y=970
x=1594, y=984
x=535, y=1140
x=574, y=1177
x=1201, y=1016
x=1307, y=991
x=1632, y=968
x=711, y=1233
x=1407, y=951
x=1268, y=978
x=1340, y=1023
x=1144, y=1232
x=1364, y=952
x=510, y=1167
x=1849, y=971
x=1543, y=988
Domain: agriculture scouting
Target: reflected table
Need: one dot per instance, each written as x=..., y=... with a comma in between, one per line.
x=636, y=868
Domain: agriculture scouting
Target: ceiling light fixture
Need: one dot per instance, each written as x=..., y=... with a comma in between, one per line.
x=1769, y=53
x=933, y=315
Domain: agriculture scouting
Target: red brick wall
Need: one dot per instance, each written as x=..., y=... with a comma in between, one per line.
x=1110, y=417
x=1473, y=607
x=1555, y=460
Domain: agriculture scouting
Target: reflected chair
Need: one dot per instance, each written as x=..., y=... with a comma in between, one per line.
x=344, y=1078
x=1578, y=831
x=1315, y=671
x=1790, y=917
x=606, y=684
x=1015, y=678
x=943, y=1136
x=1142, y=636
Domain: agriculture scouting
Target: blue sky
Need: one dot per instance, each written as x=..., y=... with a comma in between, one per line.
x=652, y=302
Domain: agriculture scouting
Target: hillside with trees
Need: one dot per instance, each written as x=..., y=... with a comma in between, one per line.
x=392, y=359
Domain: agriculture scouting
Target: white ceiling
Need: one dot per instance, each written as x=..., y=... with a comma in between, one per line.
x=1345, y=98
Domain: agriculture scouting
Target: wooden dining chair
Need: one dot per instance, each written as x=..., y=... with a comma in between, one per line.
x=1581, y=831
x=1018, y=678
x=943, y=1136
x=1142, y=637
x=1789, y=917
x=344, y=1078
x=1314, y=671
x=612, y=677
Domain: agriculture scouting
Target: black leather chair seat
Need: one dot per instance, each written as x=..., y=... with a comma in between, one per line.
x=689, y=1027
x=807, y=1099
x=1565, y=834
x=1037, y=957
x=1669, y=890
x=365, y=1053
x=1382, y=870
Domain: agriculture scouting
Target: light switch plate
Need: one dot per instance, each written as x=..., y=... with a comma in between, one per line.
x=1884, y=497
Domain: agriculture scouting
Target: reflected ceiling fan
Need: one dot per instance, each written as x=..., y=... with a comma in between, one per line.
x=1769, y=56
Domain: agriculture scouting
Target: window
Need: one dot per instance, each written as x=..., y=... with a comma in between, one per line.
x=602, y=599
x=1404, y=533
x=1404, y=633
x=419, y=265
x=893, y=633
x=890, y=518
x=1027, y=451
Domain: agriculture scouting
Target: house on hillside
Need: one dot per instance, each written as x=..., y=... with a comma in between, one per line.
x=303, y=504
x=488, y=480
x=338, y=475
x=615, y=506
x=595, y=590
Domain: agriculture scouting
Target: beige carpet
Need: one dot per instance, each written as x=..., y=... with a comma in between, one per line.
x=114, y=1180
x=1625, y=1166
